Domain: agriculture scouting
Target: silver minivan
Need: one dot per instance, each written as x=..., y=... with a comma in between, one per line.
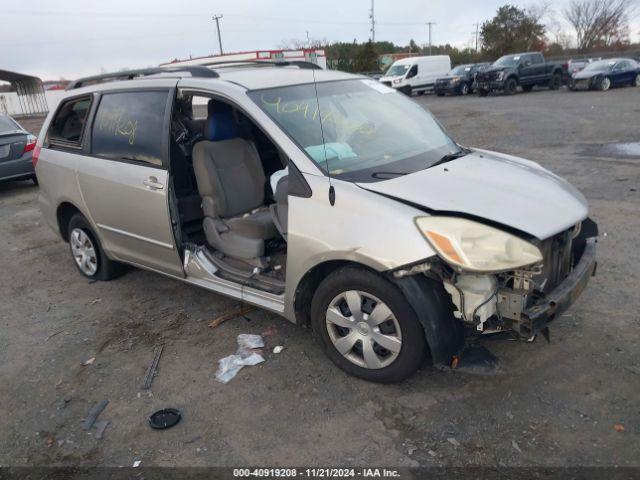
x=324, y=197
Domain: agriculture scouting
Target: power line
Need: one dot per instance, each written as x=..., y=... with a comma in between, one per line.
x=429, y=25
x=217, y=19
x=373, y=23
x=477, y=25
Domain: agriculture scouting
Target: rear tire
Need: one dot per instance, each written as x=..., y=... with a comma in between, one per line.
x=482, y=92
x=354, y=336
x=604, y=84
x=556, y=81
x=637, y=81
x=88, y=255
x=34, y=179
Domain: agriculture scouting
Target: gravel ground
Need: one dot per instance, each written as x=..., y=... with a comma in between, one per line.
x=557, y=404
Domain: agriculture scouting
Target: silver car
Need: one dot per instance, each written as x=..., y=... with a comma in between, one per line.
x=324, y=197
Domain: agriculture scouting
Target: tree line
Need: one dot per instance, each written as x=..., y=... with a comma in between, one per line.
x=599, y=25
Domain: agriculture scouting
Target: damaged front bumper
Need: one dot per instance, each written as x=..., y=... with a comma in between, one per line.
x=538, y=316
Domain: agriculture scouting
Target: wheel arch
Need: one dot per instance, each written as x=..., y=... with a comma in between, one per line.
x=64, y=212
x=309, y=283
x=429, y=300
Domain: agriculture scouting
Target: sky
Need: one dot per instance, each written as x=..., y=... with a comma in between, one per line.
x=71, y=38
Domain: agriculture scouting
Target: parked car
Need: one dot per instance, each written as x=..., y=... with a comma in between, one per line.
x=325, y=197
x=575, y=65
x=459, y=81
x=416, y=74
x=602, y=75
x=523, y=69
x=16, y=148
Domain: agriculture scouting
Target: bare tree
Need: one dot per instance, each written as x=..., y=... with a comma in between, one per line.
x=599, y=22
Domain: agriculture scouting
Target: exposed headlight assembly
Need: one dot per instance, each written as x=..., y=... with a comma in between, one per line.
x=475, y=247
x=397, y=80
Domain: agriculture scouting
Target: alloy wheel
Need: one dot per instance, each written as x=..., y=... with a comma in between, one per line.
x=465, y=89
x=363, y=329
x=605, y=84
x=637, y=83
x=84, y=252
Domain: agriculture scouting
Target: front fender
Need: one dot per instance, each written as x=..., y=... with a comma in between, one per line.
x=433, y=307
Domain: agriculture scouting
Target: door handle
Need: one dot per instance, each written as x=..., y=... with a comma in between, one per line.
x=152, y=184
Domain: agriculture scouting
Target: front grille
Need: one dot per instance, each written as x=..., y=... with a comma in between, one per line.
x=388, y=84
x=486, y=76
x=556, y=255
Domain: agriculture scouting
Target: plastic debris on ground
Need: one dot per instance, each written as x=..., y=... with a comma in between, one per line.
x=228, y=367
x=277, y=349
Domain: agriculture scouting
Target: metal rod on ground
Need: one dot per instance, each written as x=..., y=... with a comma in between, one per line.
x=151, y=371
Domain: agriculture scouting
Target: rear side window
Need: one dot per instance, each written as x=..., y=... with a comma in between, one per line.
x=129, y=126
x=68, y=125
x=537, y=58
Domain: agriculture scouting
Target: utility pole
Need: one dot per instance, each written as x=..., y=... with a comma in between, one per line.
x=217, y=19
x=373, y=23
x=428, y=24
x=477, y=25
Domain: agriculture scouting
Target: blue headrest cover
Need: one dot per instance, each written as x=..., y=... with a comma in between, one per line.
x=221, y=123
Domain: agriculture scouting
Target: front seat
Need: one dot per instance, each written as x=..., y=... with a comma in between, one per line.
x=231, y=184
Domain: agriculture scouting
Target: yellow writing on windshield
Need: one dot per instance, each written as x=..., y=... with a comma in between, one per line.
x=302, y=108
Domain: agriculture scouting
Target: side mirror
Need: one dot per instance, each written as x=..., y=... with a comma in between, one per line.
x=527, y=63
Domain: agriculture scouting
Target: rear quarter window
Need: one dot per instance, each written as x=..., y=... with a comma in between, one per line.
x=129, y=126
x=67, y=127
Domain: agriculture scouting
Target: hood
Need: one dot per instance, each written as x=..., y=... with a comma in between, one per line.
x=492, y=69
x=582, y=75
x=500, y=188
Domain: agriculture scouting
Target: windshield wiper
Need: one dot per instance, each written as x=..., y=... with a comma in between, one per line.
x=452, y=156
x=386, y=175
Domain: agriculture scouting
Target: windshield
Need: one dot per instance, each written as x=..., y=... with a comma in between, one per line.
x=507, y=61
x=461, y=70
x=602, y=66
x=397, y=70
x=370, y=130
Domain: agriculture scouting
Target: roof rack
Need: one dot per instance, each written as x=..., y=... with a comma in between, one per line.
x=195, y=71
x=303, y=64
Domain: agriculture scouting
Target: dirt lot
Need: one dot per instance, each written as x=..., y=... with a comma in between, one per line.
x=552, y=404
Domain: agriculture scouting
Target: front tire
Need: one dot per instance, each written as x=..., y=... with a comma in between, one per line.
x=367, y=327
x=87, y=253
x=510, y=86
x=464, y=90
x=482, y=92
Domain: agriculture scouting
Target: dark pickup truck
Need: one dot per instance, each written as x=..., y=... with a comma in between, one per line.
x=524, y=69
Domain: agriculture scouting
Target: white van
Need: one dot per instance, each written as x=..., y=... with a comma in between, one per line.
x=416, y=74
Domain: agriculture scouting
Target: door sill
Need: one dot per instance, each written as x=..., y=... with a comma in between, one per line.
x=206, y=271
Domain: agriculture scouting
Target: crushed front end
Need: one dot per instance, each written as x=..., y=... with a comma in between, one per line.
x=525, y=301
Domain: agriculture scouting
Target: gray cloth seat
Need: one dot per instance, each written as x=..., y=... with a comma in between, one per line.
x=231, y=183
